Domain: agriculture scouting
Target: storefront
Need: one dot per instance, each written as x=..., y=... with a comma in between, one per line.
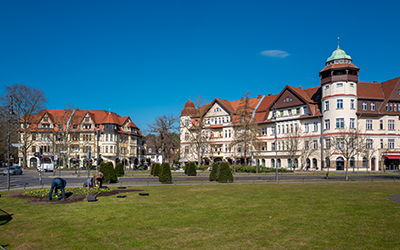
x=391, y=161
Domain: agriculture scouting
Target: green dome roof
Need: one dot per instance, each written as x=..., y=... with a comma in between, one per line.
x=338, y=54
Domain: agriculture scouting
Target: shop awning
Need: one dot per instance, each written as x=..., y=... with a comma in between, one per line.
x=393, y=157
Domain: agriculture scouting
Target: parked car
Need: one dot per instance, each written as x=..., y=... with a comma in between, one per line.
x=13, y=170
x=209, y=168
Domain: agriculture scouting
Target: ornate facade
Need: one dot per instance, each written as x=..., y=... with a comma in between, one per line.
x=316, y=117
x=70, y=135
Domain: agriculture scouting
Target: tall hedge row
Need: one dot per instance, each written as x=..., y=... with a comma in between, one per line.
x=108, y=171
x=165, y=173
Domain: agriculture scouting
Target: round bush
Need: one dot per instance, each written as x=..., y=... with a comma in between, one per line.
x=224, y=173
x=108, y=171
x=165, y=173
x=119, y=169
x=214, y=172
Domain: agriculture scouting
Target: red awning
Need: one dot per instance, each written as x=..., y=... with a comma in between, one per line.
x=392, y=157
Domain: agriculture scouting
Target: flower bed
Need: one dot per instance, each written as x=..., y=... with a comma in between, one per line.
x=44, y=192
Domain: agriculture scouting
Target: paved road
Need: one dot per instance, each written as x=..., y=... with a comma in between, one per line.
x=30, y=178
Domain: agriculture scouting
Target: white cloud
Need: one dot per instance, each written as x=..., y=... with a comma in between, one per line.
x=275, y=53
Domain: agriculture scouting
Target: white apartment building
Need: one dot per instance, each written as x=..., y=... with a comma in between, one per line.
x=318, y=115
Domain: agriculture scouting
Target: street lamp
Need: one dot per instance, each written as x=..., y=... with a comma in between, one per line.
x=10, y=112
x=276, y=144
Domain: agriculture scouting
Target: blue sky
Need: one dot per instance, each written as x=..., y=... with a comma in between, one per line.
x=147, y=58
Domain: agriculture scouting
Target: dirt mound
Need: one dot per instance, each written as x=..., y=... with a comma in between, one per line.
x=70, y=197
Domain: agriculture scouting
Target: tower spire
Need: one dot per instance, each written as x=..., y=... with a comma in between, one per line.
x=338, y=42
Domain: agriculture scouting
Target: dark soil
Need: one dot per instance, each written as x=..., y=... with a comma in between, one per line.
x=70, y=197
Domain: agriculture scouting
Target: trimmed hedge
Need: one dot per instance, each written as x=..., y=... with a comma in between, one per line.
x=261, y=169
x=224, y=173
x=165, y=174
x=155, y=169
x=214, y=172
x=119, y=169
x=108, y=171
x=191, y=169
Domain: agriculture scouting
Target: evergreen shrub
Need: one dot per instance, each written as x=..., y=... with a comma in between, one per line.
x=224, y=173
x=155, y=170
x=191, y=169
x=119, y=169
x=165, y=173
x=214, y=172
x=108, y=171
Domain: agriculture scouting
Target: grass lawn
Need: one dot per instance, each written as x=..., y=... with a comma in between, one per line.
x=355, y=215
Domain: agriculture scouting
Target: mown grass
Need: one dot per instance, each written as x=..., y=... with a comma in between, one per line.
x=262, y=216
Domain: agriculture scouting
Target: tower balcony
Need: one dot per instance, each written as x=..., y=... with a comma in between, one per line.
x=339, y=78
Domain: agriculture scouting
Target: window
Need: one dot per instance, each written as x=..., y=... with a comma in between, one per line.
x=339, y=104
x=326, y=105
x=327, y=86
x=86, y=119
x=281, y=113
x=391, y=124
x=364, y=106
x=306, y=146
x=368, y=124
x=351, y=84
x=186, y=149
x=327, y=143
x=386, y=107
x=381, y=143
x=186, y=136
x=273, y=130
x=279, y=129
x=381, y=124
x=327, y=124
x=352, y=104
x=263, y=131
x=340, y=143
x=352, y=123
x=391, y=107
x=369, y=143
x=372, y=106
x=390, y=143
x=315, y=126
x=315, y=144
x=306, y=128
x=339, y=84
x=33, y=149
x=339, y=122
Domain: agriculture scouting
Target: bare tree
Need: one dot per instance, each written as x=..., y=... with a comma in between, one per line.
x=328, y=152
x=27, y=102
x=293, y=142
x=245, y=128
x=197, y=129
x=367, y=149
x=306, y=150
x=348, y=145
x=164, y=126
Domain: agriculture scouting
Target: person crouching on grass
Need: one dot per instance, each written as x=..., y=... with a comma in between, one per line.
x=58, y=183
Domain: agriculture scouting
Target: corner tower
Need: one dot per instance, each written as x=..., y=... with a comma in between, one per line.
x=339, y=81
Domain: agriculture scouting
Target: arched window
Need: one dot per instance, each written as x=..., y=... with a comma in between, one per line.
x=296, y=163
x=352, y=162
x=289, y=163
x=314, y=163
x=364, y=162
x=272, y=163
x=339, y=163
x=279, y=163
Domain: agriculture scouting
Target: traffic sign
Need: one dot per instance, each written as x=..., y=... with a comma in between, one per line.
x=63, y=152
x=16, y=144
x=88, y=155
x=55, y=157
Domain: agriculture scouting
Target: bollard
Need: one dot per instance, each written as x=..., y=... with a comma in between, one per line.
x=201, y=182
x=147, y=183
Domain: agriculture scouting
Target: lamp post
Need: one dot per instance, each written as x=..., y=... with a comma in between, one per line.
x=10, y=112
x=276, y=145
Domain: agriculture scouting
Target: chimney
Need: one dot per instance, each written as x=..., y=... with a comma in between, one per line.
x=259, y=96
x=269, y=94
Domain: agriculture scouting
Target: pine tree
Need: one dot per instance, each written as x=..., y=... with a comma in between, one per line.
x=224, y=173
x=214, y=172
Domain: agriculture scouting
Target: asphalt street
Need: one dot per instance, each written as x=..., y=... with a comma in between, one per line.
x=30, y=178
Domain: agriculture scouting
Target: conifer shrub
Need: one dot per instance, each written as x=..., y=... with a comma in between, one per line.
x=155, y=170
x=108, y=171
x=224, y=173
x=214, y=172
x=191, y=169
x=119, y=169
x=165, y=173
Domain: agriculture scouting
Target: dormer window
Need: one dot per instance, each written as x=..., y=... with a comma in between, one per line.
x=364, y=106
x=45, y=119
x=372, y=106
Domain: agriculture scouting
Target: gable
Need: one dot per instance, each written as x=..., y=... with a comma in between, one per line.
x=216, y=110
x=288, y=99
x=395, y=95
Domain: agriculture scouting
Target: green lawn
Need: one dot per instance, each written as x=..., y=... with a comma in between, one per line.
x=250, y=216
